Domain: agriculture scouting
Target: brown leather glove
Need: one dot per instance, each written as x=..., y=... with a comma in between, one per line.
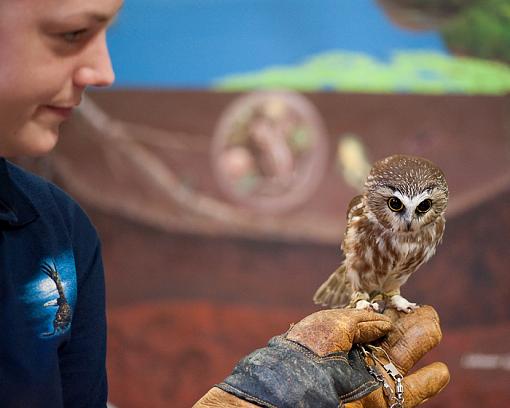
x=310, y=365
x=315, y=363
x=412, y=336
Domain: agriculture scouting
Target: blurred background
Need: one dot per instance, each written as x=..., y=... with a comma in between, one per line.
x=219, y=168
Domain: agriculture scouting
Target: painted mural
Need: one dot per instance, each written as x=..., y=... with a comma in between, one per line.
x=419, y=46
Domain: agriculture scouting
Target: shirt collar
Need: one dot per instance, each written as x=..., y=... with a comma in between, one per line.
x=16, y=209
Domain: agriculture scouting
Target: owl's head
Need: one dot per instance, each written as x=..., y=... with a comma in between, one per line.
x=405, y=193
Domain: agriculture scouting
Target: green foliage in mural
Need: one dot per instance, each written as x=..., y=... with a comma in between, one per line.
x=482, y=30
x=478, y=28
x=406, y=72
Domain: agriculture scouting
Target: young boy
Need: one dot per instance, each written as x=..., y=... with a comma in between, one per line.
x=52, y=348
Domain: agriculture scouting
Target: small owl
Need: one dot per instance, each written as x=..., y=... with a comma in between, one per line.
x=392, y=229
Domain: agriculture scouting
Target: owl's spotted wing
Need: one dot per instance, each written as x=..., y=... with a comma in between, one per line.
x=334, y=292
x=355, y=208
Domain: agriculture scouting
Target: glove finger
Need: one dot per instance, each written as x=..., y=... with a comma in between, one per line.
x=425, y=383
x=418, y=388
x=413, y=335
x=371, y=326
x=333, y=330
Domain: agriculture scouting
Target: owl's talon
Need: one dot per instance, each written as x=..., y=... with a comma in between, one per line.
x=402, y=304
x=362, y=305
x=408, y=310
x=366, y=305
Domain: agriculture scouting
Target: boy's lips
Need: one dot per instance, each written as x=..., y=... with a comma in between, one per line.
x=63, y=111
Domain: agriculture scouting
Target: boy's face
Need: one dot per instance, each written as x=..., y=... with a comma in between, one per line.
x=50, y=51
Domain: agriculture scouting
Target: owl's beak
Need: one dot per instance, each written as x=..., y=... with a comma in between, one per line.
x=409, y=222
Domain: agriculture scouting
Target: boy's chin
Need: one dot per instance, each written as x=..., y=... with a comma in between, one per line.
x=35, y=140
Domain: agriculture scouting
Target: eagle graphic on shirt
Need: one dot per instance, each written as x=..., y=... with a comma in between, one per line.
x=50, y=296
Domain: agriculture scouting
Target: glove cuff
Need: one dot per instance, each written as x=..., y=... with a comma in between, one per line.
x=286, y=375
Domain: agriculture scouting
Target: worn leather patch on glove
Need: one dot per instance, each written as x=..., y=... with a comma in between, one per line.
x=287, y=375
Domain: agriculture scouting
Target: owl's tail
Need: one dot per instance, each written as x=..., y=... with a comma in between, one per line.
x=335, y=291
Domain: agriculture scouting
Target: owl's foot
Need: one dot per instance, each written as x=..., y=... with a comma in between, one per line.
x=366, y=305
x=361, y=301
x=402, y=304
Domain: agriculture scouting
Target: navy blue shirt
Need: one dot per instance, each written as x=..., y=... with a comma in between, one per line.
x=52, y=307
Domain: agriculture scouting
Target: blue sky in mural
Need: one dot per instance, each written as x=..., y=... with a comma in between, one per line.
x=192, y=43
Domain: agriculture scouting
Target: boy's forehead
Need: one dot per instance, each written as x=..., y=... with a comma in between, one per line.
x=64, y=8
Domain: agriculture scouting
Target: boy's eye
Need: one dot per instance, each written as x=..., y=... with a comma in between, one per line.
x=74, y=36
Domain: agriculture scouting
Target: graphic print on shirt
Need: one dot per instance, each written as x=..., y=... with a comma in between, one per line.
x=50, y=295
x=63, y=314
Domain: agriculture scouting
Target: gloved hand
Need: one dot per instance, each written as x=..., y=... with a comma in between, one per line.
x=412, y=336
x=315, y=364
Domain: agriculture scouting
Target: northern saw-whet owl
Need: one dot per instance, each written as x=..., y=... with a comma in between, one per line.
x=392, y=229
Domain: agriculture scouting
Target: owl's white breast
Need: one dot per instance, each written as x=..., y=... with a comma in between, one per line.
x=381, y=259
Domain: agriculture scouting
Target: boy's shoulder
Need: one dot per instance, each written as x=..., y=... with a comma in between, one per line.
x=44, y=195
x=36, y=188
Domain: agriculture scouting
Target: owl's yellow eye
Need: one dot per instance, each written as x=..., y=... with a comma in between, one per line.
x=424, y=206
x=395, y=204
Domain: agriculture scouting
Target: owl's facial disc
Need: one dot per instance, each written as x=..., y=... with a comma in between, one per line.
x=407, y=211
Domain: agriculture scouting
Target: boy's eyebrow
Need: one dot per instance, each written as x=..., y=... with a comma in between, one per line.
x=103, y=18
x=96, y=16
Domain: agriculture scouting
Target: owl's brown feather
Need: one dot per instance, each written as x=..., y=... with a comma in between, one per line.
x=355, y=207
x=334, y=291
x=383, y=247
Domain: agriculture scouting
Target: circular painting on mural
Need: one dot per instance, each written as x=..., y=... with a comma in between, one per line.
x=269, y=150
